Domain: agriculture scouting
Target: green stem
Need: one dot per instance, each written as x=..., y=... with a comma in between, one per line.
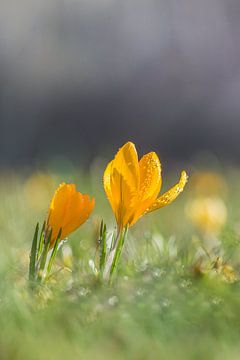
x=118, y=252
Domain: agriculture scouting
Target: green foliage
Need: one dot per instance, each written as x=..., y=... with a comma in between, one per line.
x=170, y=299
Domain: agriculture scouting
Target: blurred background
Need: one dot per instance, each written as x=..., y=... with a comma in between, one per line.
x=78, y=78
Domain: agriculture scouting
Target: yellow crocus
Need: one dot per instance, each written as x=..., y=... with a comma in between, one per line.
x=208, y=214
x=68, y=210
x=133, y=186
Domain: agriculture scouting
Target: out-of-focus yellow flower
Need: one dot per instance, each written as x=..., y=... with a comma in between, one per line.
x=208, y=183
x=132, y=186
x=208, y=214
x=37, y=190
x=68, y=210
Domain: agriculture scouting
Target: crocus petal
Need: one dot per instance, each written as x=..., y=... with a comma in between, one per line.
x=80, y=207
x=58, y=208
x=121, y=182
x=150, y=176
x=150, y=183
x=107, y=184
x=126, y=163
x=170, y=195
x=68, y=210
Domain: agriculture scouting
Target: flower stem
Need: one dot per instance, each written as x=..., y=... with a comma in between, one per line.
x=119, y=247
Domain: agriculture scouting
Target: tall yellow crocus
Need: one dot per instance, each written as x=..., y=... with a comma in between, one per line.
x=133, y=186
x=68, y=210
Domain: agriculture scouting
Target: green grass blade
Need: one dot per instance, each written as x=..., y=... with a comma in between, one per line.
x=54, y=252
x=44, y=256
x=113, y=241
x=103, y=247
x=41, y=241
x=101, y=229
x=33, y=254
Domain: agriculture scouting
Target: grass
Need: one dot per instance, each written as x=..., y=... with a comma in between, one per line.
x=160, y=306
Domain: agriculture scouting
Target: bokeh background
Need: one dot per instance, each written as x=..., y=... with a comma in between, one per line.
x=80, y=77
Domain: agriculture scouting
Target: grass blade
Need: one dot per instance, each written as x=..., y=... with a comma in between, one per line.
x=41, y=241
x=54, y=252
x=44, y=256
x=103, y=247
x=33, y=255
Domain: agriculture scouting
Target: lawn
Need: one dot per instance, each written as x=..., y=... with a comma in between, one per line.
x=176, y=293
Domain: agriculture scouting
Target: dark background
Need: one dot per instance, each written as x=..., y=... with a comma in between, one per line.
x=80, y=77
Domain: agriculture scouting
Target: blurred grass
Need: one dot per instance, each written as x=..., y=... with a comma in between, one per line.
x=160, y=305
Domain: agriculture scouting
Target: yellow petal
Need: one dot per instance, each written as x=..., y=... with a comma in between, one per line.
x=150, y=176
x=150, y=183
x=107, y=184
x=126, y=163
x=170, y=195
x=121, y=182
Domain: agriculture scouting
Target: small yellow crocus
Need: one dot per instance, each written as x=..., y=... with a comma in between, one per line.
x=208, y=214
x=208, y=183
x=133, y=186
x=37, y=190
x=68, y=210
